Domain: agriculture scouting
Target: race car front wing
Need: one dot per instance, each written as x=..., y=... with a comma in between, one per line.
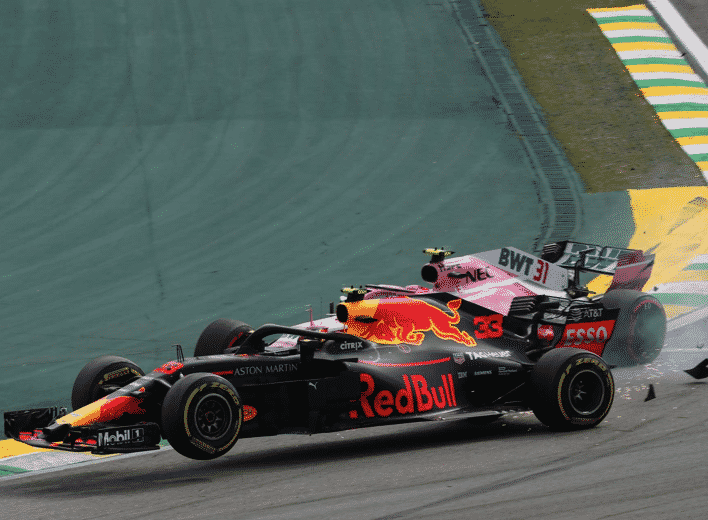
x=34, y=427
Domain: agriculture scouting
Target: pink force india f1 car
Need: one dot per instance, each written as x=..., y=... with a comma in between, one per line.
x=495, y=332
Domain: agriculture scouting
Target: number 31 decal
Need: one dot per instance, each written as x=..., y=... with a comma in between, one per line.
x=541, y=272
x=488, y=326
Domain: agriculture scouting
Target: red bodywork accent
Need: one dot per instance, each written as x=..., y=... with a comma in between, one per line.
x=632, y=272
x=106, y=409
x=170, y=367
x=117, y=406
x=249, y=412
x=545, y=332
x=413, y=364
x=236, y=338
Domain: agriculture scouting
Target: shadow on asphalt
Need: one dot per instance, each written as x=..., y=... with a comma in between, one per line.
x=151, y=474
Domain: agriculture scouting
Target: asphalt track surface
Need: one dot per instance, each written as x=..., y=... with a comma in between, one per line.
x=98, y=233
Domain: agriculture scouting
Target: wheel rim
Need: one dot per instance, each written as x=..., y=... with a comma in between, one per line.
x=213, y=416
x=586, y=392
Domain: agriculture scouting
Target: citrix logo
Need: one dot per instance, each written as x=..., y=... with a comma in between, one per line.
x=354, y=345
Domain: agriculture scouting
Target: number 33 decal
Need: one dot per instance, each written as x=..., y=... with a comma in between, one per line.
x=488, y=326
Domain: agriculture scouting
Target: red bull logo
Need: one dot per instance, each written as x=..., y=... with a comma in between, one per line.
x=415, y=396
x=404, y=320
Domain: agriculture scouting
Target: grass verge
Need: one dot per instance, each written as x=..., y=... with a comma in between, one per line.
x=608, y=131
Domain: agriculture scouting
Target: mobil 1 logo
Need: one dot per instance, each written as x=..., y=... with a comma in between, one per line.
x=120, y=436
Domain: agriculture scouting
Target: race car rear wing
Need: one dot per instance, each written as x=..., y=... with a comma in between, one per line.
x=631, y=268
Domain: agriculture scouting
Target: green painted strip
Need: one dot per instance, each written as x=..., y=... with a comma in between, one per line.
x=682, y=107
x=655, y=61
x=696, y=157
x=630, y=39
x=691, y=300
x=696, y=267
x=688, y=132
x=10, y=470
x=668, y=82
x=625, y=19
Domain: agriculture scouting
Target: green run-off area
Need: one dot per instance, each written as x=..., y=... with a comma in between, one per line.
x=609, y=133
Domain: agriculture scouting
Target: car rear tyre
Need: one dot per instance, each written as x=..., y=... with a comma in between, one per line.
x=571, y=389
x=639, y=331
x=101, y=377
x=202, y=416
x=220, y=335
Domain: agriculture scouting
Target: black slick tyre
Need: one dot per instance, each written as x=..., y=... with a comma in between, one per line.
x=571, y=389
x=202, y=416
x=101, y=377
x=220, y=335
x=640, y=329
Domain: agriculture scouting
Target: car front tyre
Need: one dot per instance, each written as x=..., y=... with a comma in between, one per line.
x=101, y=377
x=202, y=416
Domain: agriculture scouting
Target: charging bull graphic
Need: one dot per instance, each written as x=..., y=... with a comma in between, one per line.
x=403, y=320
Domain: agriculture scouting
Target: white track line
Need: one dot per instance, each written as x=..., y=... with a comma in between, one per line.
x=689, y=39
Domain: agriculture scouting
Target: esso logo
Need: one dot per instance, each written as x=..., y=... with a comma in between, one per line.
x=580, y=336
x=588, y=336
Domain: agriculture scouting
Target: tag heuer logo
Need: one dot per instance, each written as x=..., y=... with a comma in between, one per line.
x=458, y=358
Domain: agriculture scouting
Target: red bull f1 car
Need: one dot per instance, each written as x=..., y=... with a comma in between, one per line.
x=494, y=332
